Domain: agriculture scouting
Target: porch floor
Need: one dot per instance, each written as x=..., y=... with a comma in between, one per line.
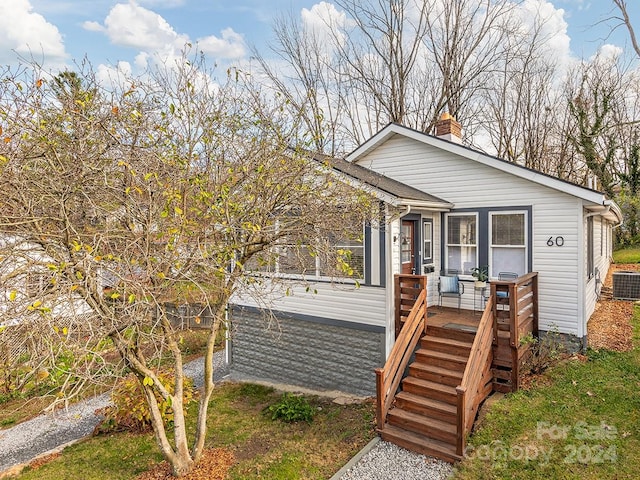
x=442, y=316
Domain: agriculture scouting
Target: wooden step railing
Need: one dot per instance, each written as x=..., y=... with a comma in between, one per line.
x=406, y=288
x=522, y=303
x=476, y=381
x=389, y=377
x=478, y=377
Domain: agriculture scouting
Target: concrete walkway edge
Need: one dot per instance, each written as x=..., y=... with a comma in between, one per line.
x=356, y=458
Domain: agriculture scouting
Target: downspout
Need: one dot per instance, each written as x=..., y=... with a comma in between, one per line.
x=390, y=335
x=400, y=215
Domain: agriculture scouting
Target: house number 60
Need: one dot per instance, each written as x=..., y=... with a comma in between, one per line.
x=558, y=241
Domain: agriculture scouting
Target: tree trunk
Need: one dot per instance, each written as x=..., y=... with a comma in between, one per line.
x=181, y=466
x=207, y=389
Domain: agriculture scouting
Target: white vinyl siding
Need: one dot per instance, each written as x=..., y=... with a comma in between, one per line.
x=364, y=305
x=471, y=185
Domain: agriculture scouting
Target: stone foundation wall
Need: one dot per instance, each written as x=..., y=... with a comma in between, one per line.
x=310, y=352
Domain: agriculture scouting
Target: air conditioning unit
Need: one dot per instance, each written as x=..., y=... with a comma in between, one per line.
x=626, y=285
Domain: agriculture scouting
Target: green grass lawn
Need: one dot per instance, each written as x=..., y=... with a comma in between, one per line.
x=627, y=255
x=263, y=448
x=580, y=422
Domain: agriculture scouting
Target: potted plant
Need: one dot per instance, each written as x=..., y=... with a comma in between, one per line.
x=481, y=274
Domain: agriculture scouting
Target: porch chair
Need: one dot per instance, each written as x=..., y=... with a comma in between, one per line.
x=449, y=285
x=502, y=296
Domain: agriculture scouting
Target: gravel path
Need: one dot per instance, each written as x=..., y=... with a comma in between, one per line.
x=47, y=432
x=388, y=461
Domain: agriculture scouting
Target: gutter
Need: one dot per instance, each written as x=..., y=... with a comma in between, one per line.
x=616, y=210
x=608, y=206
x=435, y=206
x=606, y=210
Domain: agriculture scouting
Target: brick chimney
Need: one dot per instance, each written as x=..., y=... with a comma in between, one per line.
x=448, y=129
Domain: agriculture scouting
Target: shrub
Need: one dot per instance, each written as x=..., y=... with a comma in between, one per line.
x=291, y=408
x=545, y=351
x=129, y=409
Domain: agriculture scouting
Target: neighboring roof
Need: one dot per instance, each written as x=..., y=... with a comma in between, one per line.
x=535, y=176
x=401, y=191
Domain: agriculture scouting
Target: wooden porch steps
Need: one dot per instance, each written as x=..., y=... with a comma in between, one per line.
x=424, y=416
x=419, y=405
x=440, y=375
x=419, y=443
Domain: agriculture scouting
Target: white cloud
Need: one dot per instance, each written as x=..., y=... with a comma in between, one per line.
x=323, y=18
x=231, y=45
x=142, y=60
x=93, y=27
x=112, y=76
x=548, y=23
x=28, y=34
x=608, y=53
x=133, y=26
x=130, y=25
x=552, y=26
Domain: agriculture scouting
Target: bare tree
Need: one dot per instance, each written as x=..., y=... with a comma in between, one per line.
x=402, y=61
x=520, y=105
x=466, y=39
x=163, y=188
x=381, y=51
x=626, y=21
x=311, y=88
x=355, y=76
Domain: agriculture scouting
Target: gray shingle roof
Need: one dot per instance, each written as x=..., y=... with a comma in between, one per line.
x=379, y=181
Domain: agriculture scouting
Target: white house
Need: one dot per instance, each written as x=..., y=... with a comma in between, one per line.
x=443, y=207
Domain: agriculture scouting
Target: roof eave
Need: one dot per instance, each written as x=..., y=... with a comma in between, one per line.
x=436, y=206
x=480, y=157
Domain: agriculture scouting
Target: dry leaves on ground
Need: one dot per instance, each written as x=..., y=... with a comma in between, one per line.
x=610, y=325
x=213, y=465
x=43, y=460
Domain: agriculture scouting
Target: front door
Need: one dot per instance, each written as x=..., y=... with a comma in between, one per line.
x=407, y=252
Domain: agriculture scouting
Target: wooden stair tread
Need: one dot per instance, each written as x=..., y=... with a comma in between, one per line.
x=429, y=384
x=419, y=443
x=436, y=373
x=436, y=369
x=427, y=422
x=444, y=332
x=445, y=340
x=442, y=355
x=427, y=402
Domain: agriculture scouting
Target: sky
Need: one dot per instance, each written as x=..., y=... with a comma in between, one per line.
x=130, y=32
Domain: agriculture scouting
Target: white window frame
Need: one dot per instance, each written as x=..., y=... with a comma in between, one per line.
x=427, y=259
x=447, y=216
x=317, y=272
x=491, y=246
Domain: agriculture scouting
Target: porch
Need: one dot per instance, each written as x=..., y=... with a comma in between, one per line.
x=446, y=362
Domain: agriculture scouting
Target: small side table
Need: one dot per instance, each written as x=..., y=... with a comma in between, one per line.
x=480, y=292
